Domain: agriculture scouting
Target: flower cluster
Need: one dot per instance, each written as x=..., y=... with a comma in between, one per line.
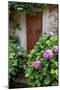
x=37, y=65
x=48, y=55
x=50, y=34
x=56, y=50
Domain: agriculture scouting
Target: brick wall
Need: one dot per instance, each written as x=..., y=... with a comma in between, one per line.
x=53, y=20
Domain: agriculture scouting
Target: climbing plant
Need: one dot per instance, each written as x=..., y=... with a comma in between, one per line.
x=28, y=8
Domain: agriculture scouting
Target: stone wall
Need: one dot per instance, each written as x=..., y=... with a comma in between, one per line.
x=53, y=20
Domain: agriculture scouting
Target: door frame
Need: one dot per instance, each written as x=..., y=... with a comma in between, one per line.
x=45, y=27
x=26, y=28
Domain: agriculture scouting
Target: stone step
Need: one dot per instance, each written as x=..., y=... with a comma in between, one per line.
x=20, y=82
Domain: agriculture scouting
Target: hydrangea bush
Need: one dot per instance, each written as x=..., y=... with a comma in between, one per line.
x=42, y=66
x=17, y=59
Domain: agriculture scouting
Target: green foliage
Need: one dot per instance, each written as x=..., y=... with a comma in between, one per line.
x=28, y=8
x=15, y=8
x=17, y=58
x=48, y=74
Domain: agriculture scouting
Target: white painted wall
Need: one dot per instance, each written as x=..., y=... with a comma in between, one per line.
x=45, y=22
x=22, y=32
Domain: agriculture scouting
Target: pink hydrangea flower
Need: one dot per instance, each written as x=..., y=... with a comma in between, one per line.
x=48, y=55
x=56, y=50
x=51, y=34
x=37, y=65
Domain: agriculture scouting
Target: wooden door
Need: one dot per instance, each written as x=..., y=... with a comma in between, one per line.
x=34, y=29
